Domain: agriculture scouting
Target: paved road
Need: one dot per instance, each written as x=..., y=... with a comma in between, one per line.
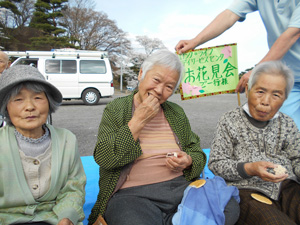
x=83, y=120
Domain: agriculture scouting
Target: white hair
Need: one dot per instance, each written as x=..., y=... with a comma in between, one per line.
x=166, y=59
x=273, y=68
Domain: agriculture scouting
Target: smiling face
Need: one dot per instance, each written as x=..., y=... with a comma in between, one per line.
x=28, y=111
x=266, y=96
x=159, y=81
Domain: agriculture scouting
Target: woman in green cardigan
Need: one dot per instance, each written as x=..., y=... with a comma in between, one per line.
x=146, y=150
x=42, y=179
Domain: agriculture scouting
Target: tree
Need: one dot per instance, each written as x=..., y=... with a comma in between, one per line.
x=95, y=31
x=46, y=19
x=16, y=13
x=10, y=5
x=133, y=60
x=26, y=9
x=2, y=38
x=7, y=10
x=149, y=44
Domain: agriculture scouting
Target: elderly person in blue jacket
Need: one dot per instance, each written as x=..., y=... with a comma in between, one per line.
x=257, y=149
x=42, y=177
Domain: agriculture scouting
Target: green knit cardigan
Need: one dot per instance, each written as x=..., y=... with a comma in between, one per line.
x=116, y=147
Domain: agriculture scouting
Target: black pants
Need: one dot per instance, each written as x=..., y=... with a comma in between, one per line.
x=154, y=204
x=147, y=204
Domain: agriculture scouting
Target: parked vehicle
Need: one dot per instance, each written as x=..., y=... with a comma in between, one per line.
x=78, y=74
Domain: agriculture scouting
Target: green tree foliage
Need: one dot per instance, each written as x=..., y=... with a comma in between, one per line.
x=46, y=19
x=7, y=8
x=10, y=5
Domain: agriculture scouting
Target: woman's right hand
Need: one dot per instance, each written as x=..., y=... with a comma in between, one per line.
x=145, y=112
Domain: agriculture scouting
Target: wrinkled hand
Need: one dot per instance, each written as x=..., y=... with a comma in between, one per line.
x=179, y=163
x=147, y=110
x=260, y=169
x=143, y=114
x=243, y=81
x=65, y=221
x=185, y=45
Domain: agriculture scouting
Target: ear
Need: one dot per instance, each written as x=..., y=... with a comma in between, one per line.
x=140, y=75
x=246, y=90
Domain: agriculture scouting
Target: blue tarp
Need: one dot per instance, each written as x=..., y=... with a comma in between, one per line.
x=91, y=169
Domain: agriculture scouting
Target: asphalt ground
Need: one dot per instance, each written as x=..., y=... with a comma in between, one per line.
x=83, y=120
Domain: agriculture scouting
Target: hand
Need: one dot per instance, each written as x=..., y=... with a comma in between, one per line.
x=143, y=114
x=179, y=163
x=185, y=45
x=260, y=169
x=65, y=221
x=243, y=81
x=147, y=110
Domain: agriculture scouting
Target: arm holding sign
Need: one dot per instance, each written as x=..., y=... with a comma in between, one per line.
x=286, y=37
x=281, y=46
x=220, y=24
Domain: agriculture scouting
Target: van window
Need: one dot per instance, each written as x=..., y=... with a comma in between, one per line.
x=92, y=67
x=31, y=62
x=60, y=66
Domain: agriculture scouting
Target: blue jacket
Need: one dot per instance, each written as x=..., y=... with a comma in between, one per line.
x=205, y=205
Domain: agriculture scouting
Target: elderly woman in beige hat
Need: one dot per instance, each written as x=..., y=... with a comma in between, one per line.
x=42, y=177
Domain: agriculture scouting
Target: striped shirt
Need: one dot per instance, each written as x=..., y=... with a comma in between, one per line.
x=156, y=140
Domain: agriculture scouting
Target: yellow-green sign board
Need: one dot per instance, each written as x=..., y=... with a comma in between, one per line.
x=209, y=71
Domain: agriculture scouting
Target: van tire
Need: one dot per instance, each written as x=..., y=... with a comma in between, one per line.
x=90, y=97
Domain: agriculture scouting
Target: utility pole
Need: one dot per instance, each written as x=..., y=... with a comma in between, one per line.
x=121, y=77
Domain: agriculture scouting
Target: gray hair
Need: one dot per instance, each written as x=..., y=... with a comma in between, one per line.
x=33, y=86
x=273, y=68
x=166, y=59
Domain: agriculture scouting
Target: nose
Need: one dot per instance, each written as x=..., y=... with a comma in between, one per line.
x=265, y=100
x=159, y=89
x=29, y=106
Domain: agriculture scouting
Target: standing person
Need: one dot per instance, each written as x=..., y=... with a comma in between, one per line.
x=282, y=22
x=257, y=149
x=42, y=177
x=4, y=62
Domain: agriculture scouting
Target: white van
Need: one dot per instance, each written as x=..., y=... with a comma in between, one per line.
x=78, y=74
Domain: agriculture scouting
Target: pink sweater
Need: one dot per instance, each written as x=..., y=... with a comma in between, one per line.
x=156, y=140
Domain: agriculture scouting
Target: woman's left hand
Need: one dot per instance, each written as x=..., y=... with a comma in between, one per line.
x=179, y=163
x=65, y=221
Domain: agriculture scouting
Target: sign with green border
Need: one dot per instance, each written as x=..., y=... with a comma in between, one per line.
x=209, y=71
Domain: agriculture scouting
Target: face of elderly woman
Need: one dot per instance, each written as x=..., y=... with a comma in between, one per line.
x=266, y=96
x=28, y=111
x=160, y=82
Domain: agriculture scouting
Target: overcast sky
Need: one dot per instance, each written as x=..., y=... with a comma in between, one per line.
x=173, y=20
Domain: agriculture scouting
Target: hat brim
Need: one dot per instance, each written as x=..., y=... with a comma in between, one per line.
x=51, y=89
